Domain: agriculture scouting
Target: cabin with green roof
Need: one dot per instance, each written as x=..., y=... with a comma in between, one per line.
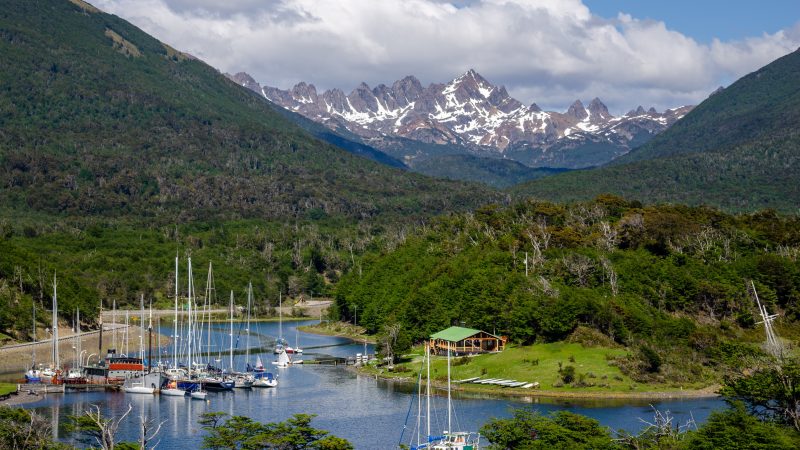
x=466, y=341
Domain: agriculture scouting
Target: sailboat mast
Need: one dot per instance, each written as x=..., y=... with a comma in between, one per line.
x=231, y=346
x=56, y=362
x=141, y=328
x=78, y=337
x=150, y=339
x=114, y=324
x=428, y=388
x=100, y=341
x=34, y=335
x=127, y=333
x=449, y=405
x=247, y=340
x=280, y=316
x=189, y=312
x=175, y=321
x=207, y=305
x=74, y=342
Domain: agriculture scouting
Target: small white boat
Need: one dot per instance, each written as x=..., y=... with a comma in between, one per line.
x=199, y=395
x=172, y=390
x=283, y=360
x=138, y=388
x=243, y=382
x=265, y=381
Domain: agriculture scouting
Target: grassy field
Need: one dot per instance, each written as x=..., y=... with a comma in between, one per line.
x=537, y=363
x=7, y=388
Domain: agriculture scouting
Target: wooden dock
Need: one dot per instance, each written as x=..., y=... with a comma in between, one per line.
x=40, y=388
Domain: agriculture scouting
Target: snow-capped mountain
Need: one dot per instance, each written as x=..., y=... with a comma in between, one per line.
x=471, y=112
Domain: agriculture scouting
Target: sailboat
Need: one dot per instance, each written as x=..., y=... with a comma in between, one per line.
x=33, y=375
x=172, y=389
x=240, y=380
x=265, y=380
x=140, y=386
x=280, y=343
x=283, y=360
x=53, y=371
x=296, y=349
x=448, y=439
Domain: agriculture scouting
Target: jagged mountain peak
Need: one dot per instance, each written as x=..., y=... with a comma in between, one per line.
x=244, y=79
x=577, y=110
x=466, y=111
x=598, y=110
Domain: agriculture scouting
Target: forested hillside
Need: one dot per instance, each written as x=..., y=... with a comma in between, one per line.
x=738, y=150
x=98, y=118
x=117, y=151
x=672, y=279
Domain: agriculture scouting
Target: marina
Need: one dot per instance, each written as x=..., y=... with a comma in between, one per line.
x=332, y=393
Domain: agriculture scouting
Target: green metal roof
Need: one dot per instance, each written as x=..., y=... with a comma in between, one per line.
x=455, y=334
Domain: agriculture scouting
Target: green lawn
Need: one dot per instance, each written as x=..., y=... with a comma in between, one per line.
x=7, y=388
x=538, y=363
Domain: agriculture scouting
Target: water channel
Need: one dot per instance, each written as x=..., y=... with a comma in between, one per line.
x=368, y=412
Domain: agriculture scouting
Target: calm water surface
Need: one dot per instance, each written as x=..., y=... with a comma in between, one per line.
x=368, y=412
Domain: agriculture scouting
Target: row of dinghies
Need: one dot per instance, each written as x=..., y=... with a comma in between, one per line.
x=501, y=382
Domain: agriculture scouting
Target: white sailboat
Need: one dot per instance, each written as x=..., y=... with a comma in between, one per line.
x=240, y=380
x=283, y=360
x=172, y=389
x=448, y=439
x=198, y=393
x=33, y=375
x=140, y=386
x=296, y=349
x=280, y=343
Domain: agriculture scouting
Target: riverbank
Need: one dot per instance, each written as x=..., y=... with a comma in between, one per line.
x=339, y=329
x=544, y=368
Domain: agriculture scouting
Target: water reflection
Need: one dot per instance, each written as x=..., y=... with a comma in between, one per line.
x=368, y=412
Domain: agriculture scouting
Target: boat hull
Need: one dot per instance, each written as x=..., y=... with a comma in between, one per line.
x=173, y=392
x=139, y=390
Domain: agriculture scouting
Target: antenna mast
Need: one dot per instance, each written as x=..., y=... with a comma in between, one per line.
x=774, y=346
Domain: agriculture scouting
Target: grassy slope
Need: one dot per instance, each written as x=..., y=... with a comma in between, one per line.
x=737, y=150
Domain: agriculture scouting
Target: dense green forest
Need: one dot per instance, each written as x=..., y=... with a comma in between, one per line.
x=100, y=119
x=117, y=151
x=118, y=262
x=668, y=282
x=738, y=150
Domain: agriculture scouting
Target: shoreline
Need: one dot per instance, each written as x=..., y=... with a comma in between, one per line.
x=313, y=329
x=501, y=392
x=21, y=399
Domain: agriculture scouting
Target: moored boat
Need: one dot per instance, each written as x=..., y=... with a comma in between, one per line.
x=265, y=380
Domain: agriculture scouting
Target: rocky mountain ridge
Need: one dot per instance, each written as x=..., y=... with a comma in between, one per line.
x=472, y=113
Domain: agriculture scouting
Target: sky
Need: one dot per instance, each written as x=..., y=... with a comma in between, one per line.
x=551, y=52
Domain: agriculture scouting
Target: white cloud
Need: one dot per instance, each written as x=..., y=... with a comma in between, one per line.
x=547, y=51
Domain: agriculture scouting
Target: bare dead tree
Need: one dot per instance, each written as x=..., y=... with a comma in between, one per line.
x=544, y=234
x=390, y=333
x=547, y=288
x=578, y=266
x=608, y=237
x=610, y=275
x=147, y=433
x=104, y=430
